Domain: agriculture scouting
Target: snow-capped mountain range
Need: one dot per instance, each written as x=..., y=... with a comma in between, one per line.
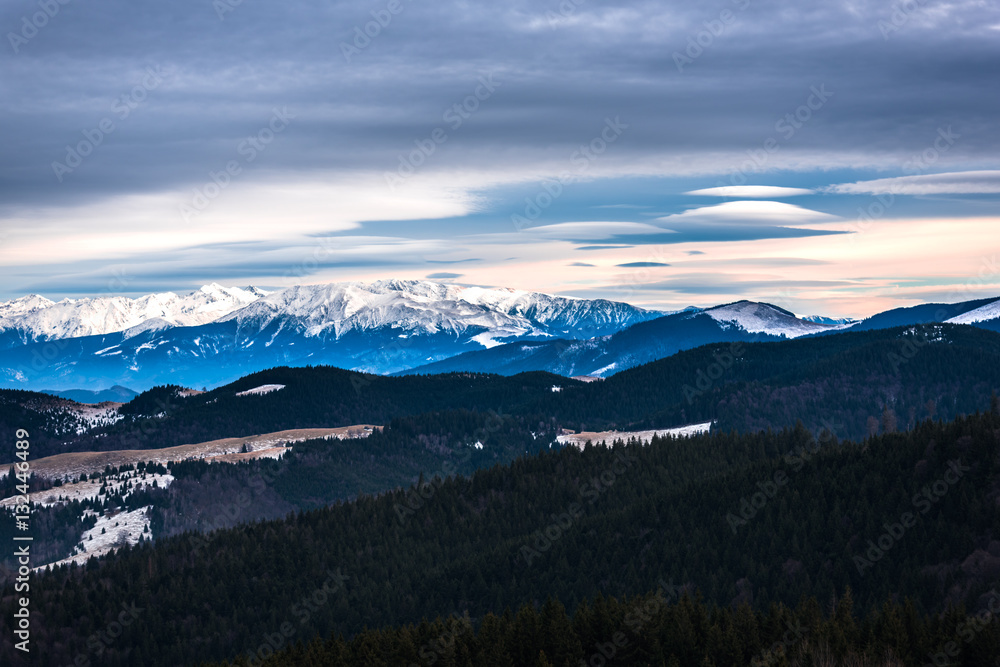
x=34, y=318
x=422, y=307
x=217, y=334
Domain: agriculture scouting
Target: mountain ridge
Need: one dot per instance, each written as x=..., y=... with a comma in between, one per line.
x=382, y=326
x=217, y=334
x=34, y=318
x=746, y=321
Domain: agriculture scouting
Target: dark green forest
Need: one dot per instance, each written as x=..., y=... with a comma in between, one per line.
x=753, y=519
x=669, y=627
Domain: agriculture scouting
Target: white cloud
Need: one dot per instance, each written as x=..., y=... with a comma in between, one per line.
x=954, y=183
x=751, y=191
x=278, y=213
x=751, y=211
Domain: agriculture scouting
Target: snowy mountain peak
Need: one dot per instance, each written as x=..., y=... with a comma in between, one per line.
x=218, y=291
x=765, y=318
x=23, y=305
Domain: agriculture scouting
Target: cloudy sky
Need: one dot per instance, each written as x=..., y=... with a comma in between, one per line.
x=833, y=158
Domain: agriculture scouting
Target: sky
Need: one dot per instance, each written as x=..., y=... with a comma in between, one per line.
x=834, y=158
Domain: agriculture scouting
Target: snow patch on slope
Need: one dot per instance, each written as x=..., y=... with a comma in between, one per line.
x=261, y=390
x=580, y=439
x=485, y=339
x=109, y=533
x=90, y=489
x=990, y=311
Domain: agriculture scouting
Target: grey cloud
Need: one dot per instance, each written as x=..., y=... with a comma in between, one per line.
x=699, y=284
x=453, y=261
x=160, y=271
x=736, y=287
x=755, y=261
x=222, y=78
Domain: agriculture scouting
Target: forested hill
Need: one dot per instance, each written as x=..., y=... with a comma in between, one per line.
x=851, y=383
x=854, y=384
x=320, y=396
x=756, y=518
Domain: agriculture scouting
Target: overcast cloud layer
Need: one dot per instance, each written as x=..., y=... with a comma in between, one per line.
x=240, y=141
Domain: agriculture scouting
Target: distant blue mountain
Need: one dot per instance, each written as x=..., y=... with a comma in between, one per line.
x=832, y=321
x=662, y=337
x=922, y=314
x=641, y=343
x=117, y=394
